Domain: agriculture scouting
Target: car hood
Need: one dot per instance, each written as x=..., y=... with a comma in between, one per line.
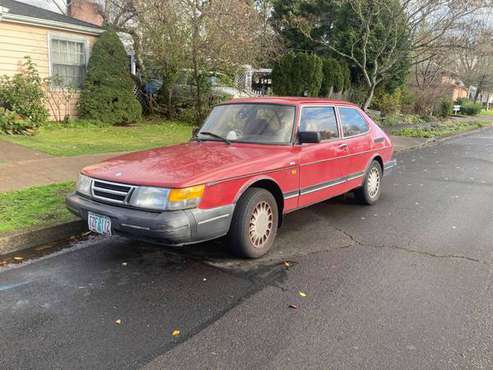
x=191, y=164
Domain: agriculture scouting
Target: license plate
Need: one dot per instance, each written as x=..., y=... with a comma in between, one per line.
x=99, y=224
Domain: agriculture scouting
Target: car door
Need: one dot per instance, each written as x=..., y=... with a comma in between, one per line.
x=356, y=136
x=321, y=176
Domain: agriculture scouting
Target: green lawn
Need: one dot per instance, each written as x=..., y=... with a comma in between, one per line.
x=28, y=208
x=486, y=113
x=87, y=138
x=440, y=130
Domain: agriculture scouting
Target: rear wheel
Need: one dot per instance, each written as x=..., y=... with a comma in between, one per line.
x=371, y=190
x=254, y=225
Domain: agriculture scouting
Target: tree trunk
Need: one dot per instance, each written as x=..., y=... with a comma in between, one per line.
x=196, y=71
x=171, y=107
x=369, y=97
x=479, y=89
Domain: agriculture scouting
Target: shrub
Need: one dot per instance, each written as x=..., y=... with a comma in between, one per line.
x=60, y=99
x=107, y=94
x=12, y=123
x=297, y=74
x=388, y=103
x=445, y=108
x=23, y=94
x=357, y=94
x=470, y=108
x=408, y=100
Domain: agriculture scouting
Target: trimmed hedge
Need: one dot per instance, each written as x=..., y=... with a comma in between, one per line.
x=107, y=95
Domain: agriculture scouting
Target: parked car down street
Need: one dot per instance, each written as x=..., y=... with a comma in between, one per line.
x=252, y=161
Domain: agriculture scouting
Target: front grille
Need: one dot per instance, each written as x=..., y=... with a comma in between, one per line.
x=111, y=192
x=112, y=186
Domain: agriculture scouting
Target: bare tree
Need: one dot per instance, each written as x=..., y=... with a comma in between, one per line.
x=201, y=36
x=435, y=26
x=473, y=62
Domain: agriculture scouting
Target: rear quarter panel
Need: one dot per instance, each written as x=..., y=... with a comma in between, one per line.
x=380, y=143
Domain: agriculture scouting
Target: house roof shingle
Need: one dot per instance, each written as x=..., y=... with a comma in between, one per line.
x=26, y=10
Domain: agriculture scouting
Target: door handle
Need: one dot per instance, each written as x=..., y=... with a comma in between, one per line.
x=343, y=146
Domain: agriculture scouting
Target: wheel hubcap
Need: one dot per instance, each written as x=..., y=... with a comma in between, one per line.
x=260, y=224
x=373, y=182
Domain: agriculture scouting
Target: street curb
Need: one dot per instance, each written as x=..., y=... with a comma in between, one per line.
x=417, y=146
x=15, y=242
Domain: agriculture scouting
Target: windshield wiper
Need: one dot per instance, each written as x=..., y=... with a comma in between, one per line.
x=216, y=136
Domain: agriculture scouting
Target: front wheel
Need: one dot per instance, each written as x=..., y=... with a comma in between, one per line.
x=254, y=225
x=371, y=190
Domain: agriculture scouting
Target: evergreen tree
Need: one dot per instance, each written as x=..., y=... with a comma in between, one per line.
x=107, y=95
x=297, y=74
x=333, y=77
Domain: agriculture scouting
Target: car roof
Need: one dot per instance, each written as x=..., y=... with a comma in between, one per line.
x=288, y=100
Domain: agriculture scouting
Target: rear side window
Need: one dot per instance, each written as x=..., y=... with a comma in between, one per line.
x=352, y=122
x=319, y=119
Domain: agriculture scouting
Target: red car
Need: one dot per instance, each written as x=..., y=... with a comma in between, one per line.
x=252, y=161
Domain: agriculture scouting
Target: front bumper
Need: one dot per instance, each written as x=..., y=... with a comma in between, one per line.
x=168, y=227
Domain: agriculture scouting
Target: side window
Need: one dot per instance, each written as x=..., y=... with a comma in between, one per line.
x=352, y=123
x=319, y=119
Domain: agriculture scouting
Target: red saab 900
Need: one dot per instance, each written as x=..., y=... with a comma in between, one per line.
x=251, y=162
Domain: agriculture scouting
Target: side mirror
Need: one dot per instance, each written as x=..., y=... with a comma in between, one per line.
x=195, y=131
x=309, y=137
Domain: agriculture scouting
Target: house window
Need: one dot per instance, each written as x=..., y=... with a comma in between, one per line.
x=68, y=63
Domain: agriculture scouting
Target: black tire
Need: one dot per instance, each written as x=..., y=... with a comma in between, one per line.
x=241, y=241
x=364, y=194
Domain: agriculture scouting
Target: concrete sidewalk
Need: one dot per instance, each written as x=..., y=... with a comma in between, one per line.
x=21, y=167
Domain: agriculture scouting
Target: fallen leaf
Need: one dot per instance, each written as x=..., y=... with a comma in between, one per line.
x=118, y=322
x=303, y=294
x=293, y=306
x=286, y=264
x=175, y=333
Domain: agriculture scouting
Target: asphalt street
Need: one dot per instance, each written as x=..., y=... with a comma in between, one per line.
x=403, y=284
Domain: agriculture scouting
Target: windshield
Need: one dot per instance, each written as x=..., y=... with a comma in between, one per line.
x=250, y=123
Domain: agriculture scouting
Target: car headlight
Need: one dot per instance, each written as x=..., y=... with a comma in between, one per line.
x=150, y=198
x=84, y=185
x=167, y=199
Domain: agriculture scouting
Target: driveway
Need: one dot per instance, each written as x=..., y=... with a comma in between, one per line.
x=403, y=284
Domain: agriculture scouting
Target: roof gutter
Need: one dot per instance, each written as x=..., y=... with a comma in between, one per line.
x=5, y=16
x=3, y=11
